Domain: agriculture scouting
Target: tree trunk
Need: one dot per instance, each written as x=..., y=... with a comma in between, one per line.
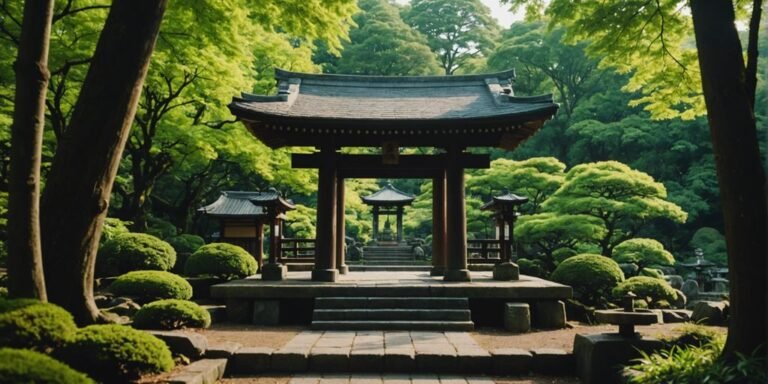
x=79, y=184
x=739, y=171
x=25, y=263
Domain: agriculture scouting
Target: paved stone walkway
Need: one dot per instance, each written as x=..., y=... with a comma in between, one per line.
x=388, y=379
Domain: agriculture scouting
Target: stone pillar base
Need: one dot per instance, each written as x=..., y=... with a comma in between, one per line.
x=344, y=269
x=457, y=275
x=274, y=272
x=266, y=312
x=598, y=356
x=549, y=314
x=329, y=275
x=517, y=317
x=506, y=271
x=437, y=271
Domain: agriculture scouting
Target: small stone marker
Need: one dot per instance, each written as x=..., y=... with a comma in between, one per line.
x=517, y=317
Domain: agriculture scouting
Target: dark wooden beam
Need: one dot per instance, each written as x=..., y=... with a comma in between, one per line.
x=427, y=165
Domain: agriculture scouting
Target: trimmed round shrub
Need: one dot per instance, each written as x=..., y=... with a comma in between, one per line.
x=531, y=267
x=148, y=286
x=24, y=366
x=171, y=314
x=591, y=276
x=642, y=252
x=128, y=252
x=116, y=353
x=3, y=292
x=31, y=324
x=186, y=243
x=651, y=288
x=222, y=260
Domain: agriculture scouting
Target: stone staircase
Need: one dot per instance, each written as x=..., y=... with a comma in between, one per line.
x=388, y=255
x=392, y=313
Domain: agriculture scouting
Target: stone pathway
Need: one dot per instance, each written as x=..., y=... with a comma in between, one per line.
x=388, y=379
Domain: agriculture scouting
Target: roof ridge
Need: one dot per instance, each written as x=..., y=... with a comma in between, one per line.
x=282, y=74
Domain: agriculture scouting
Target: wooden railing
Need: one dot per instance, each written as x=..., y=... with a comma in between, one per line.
x=298, y=250
x=483, y=251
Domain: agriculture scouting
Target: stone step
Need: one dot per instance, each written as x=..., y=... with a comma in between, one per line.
x=388, y=257
x=392, y=262
x=391, y=303
x=391, y=325
x=392, y=314
x=389, y=268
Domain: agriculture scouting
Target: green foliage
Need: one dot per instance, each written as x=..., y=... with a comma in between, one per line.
x=116, y=353
x=135, y=251
x=31, y=324
x=301, y=222
x=171, y=314
x=652, y=272
x=693, y=335
x=456, y=30
x=383, y=44
x=699, y=364
x=649, y=288
x=186, y=243
x=544, y=233
x=160, y=228
x=531, y=268
x=222, y=260
x=148, y=286
x=591, y=276
x=642, y=252
x=113, y=227
x=712, y=243
x=23, y=366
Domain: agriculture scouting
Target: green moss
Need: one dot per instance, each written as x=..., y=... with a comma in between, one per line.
x=531, y=268
x=116, y=353
x=591, y=276
x=172, y=314
x=135, y=251
x=23, y=366
x=31, y=324
x=148, y=286
x=646, y=287
x=221, y=260
x=186, y=243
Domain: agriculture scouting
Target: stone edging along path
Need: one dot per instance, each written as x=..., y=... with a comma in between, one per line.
x=377, y=352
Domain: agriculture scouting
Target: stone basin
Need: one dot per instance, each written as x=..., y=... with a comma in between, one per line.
x=621, y=317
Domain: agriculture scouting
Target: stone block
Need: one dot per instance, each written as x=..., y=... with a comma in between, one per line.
x=329, y=359
x=290, y=360
x=251, y=360
x=399, y=360
x=506, y=272
x=190, y=344
x=441, y=360
x=222, y=351
x=266, y=312
x=676, y=315
x=710, y=312
x=474, y=360
x=680, y=300
x=676, y=281
x=690, y=288
x=206, y=371
x=274, y=272
x=549, y=314
x=517, y=317
x=240, y=310
x=600, y=358
x=511, y=361
x=552, y=361
x=201, y=286
x=366, y=360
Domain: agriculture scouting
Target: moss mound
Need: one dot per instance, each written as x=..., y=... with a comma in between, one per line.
x=186, y=243
x=591, y=276
x=128, y=252
x=171, y=314
x=116, y=353
x=23, y=366
x=31, y=324
x=222, y=260
x=148, y=286
x=649, y=288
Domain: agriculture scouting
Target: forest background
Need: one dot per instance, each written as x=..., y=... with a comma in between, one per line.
x=185, y=147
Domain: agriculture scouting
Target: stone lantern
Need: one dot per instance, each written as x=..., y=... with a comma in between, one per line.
x=505, y=208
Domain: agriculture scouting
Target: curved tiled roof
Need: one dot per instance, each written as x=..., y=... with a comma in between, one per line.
x=245, y=204
x=507, y=199
x=389, y=195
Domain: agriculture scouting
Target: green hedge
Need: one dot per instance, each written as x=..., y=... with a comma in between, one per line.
x=31, y=324
x=24, y=366
x=172, y=314
x=186, y=243
x=128, y=252
x=531, y=267
x=116, y=353
x=592, y=276
x=148, y=286
x=649, y=288
x=222, y=260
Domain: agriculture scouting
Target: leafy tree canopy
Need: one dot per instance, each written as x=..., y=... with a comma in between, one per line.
x=642, y=252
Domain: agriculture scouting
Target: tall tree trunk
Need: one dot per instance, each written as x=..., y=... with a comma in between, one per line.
x=739, y=170
x=25, y=263
x=79, y=184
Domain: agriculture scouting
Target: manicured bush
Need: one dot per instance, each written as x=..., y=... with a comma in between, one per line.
x=3, y=292
x=128, y=252
x=24, y=366
x=171, y=314
x=31, y=324
x=642, y=252
x=221, y=260
x=591, y=276
x=531, y=268
x=116, y=353
x=186, y=243
x=113, y=227
x=160, y=228
x=650, y=288
x=652, y=272
x=148, y=286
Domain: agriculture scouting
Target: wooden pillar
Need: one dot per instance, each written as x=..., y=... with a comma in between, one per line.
x=273, y=270
x=325, y=245
x=438, y=225
x=456, y=266
x=400, y=224
x=501, y=227
x=341, y=242
x=259, y=249
x=375, y=223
